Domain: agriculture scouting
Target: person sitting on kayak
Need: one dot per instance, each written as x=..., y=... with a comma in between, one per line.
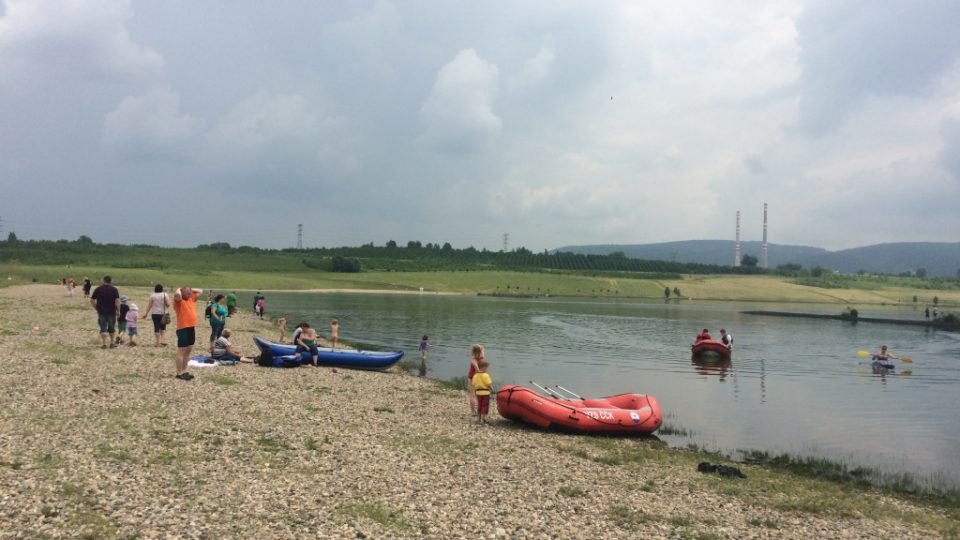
x=307, y=341
x=726, y=338
x=702, y=336
x=882, y=355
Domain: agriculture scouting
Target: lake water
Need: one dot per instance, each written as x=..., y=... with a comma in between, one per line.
x=794, y=385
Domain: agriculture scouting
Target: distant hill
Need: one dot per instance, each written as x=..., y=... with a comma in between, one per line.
x=938, y=258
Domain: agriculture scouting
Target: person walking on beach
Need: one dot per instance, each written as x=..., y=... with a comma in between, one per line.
x=231, y=303
x=334, y=332
x=86, y=287
x=282, y=327
x=256, y=300
x=185, y=306
x=477, y=354
x=122, y=318
x=261, y=303
x=218, y=317
x=132, y=315
x=157, y=308
x=482, y=387
x=70, y=286
x=424, y=347
x=106, y=300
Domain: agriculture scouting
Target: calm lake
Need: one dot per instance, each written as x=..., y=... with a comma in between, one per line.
x=794, y=385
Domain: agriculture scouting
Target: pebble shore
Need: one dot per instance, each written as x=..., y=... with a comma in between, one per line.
x=108, y=444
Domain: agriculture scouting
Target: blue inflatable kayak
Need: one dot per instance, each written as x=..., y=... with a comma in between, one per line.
x=283, y=355
x=883, y=364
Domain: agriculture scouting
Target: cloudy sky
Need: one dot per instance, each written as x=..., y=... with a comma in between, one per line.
x=183, y=122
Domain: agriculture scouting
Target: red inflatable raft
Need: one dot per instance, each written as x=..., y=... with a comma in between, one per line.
x=623, y=413
x=711, y=346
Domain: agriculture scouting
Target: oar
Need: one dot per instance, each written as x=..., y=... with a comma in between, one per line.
x=546, y=390
x=904, y=359
x=569, y=392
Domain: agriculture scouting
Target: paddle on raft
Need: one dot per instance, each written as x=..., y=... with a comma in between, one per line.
x=903, y=359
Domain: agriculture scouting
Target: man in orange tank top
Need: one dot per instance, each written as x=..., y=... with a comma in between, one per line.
x=185, y=306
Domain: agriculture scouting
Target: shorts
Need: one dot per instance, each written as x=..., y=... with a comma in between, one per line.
x=132, y=330
x=312, y=348
x=483, y=404
x=186, y=337
x=158, y=325
x=121, y=326
x=215, y=331
x=107, y=323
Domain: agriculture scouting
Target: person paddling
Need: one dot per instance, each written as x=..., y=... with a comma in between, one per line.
x=883, y=355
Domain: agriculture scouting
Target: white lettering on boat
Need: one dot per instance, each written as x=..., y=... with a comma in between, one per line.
x=599, y=414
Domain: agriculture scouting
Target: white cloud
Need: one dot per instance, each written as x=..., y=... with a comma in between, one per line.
x=950, y=131
x=83, y=39
x=152, y=125
x=535, y=71
x=458, y=114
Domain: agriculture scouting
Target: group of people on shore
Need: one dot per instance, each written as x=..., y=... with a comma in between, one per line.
x=117, y=318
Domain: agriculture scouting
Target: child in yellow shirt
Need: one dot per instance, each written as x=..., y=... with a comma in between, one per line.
x=482, y=387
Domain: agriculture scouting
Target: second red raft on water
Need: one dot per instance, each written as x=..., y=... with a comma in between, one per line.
x=623, y=413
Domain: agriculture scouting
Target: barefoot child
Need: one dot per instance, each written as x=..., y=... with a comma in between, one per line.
x=282, y=327
x=307, y=341
x=334, y=332
x=476, y=355
x=122, y=318
x=482, y=386
x=132, y=315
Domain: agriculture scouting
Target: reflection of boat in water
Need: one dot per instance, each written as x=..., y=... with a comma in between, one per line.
x=712, y=365
x=711, y=348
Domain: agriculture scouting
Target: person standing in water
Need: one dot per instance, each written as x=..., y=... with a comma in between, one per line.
x=424, y=347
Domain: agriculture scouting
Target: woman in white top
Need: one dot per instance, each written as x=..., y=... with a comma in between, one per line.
x=158, y=304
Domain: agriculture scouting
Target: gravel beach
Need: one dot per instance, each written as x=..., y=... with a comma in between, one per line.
x=108, y=444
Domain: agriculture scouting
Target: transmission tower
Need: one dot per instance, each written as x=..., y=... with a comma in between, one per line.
x=300, y=236
x=506, y=241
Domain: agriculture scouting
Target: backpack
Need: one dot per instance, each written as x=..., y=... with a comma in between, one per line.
x=206, y=312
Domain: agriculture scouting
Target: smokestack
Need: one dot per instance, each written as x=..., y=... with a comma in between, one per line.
x=766, y=263
x=736, y=245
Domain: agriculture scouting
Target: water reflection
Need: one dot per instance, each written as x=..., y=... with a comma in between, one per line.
x=711, y=365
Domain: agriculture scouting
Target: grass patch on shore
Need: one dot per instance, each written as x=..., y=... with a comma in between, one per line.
x=392, y=519
x=223, y=380
x=383, y=408
x=627, y=517
x=271, y=444
x=115, y=453
x=572, y=491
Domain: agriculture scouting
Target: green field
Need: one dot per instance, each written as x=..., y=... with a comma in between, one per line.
x=697, y=287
